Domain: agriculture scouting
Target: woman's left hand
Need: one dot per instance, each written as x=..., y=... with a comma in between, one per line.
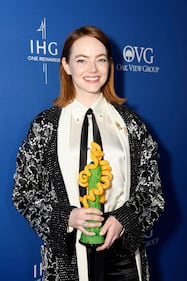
x=112, y=229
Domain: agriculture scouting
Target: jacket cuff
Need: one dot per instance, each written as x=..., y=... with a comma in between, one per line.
x=59, y=238
x=132, y=236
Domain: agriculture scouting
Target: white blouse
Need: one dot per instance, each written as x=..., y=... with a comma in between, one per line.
x=114, y=137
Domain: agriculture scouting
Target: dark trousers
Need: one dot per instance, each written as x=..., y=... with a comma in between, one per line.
x=110, y=265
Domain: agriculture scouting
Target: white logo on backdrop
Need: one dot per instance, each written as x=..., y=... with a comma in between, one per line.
x=37, y=272
x=150, y=239
x=43, y=51
x=138, y=59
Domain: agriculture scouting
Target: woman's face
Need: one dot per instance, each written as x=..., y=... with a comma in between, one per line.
x=88, y=65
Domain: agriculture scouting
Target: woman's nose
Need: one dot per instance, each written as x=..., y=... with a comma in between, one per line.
x=92, y=67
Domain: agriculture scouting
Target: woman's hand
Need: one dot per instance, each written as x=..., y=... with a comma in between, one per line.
x=79, y=218
x=112, y=229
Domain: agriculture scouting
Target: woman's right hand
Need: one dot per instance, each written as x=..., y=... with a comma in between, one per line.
x=80, y=219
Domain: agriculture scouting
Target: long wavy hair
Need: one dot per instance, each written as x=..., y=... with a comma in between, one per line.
x=67, y=89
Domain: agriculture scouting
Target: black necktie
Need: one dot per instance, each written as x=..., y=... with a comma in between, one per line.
x=95, y=259
x=84, y=142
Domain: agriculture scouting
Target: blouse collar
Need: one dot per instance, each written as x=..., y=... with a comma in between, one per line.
x=79, y=110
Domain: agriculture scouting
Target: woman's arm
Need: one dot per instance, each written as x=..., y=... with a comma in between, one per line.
x=32, y=195
x=146, y=202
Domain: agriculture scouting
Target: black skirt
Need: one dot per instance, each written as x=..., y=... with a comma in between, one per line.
x=113, y=264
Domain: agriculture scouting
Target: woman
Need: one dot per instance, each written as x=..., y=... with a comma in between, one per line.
x=46, y=192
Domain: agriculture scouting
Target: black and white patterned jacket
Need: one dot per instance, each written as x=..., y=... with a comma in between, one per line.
x=40, y=195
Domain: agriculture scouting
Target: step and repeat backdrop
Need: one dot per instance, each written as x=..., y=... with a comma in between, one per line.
x=149, y=46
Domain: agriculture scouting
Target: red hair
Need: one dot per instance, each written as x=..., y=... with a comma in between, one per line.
x=67, y=90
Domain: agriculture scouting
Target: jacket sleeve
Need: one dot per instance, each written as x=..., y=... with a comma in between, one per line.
x=32, y=193
x=146, y=201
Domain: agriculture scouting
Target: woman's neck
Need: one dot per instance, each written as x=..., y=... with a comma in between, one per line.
x=88, y=99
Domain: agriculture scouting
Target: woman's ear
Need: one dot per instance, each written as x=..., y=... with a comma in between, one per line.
x=66, y=66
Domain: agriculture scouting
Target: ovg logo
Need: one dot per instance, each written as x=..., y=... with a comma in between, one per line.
x=138, y=59
x=42, y=50
x=138, y=53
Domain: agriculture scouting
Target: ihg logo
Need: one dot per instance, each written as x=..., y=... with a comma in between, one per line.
x=43, y=47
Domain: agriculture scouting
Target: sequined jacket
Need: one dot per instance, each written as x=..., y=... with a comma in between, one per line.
x=40, y=195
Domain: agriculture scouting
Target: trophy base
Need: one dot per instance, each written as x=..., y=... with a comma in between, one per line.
x=95, y=240
x=90, y=245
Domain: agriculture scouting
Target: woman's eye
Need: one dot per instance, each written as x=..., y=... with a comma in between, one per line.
x=80, y=61
x=102, y=60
